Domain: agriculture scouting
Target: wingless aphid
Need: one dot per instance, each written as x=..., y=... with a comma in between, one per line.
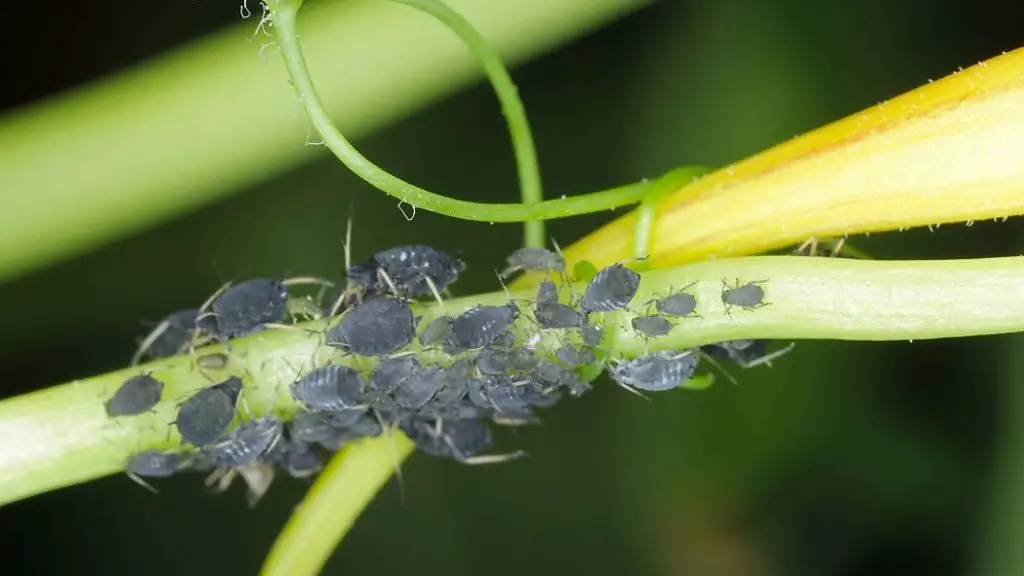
x=746, y=353
x=413, y=271
x=651, y=326
x=170, y=337
x=480, y=326
x=613, y=288
x=679, y=304
x=656, y=372
x=247, y=443
x=152, y=464
x=248, y=306
x=205, y=416
x=376, y=327
x=747, y=296
x=331, y=388
x=534, y=260
x=138, y=395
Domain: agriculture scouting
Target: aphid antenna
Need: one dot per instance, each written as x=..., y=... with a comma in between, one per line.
x=434, y=291
x=306, y=280
x=767, y=358
x=718, y=366
x=487, y=458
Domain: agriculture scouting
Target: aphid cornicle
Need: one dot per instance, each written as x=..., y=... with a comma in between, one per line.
x=534, y=260
x=747, y=296
x=656, y=372
x=205, y=416
x=376, y=327
x=480, y=326
x=331, y=388
x=247, y=443
x=613, y=288
x=414, y=270
x=679, y=304
x=138, y=395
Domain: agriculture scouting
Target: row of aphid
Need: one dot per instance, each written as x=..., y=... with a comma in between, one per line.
x=494, y=367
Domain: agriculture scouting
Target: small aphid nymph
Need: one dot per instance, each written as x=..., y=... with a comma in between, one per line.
x=138, y=395
x=651, y=326
x=749, y=296
x=679, y=304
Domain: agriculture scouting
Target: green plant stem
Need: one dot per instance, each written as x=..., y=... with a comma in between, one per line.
x=72, y=441
x=643, y=236
x=284, y=13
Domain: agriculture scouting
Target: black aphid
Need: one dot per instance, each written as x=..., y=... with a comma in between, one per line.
x=480, y=326
x=170, y=337
x=651, y=326
x=154, y=464
x=534, y=260
x=747, y=296
x=205, y=416
x=247, y=443
x=389, y=374
x=330, y=388
x=547, y=292
x=456, y=439
x=556, y=315
x=745, y=353
x=414, y=270
x=376, y=327
x=417, y=390
x=310, y=427
x=506, y=339
x=574, y=356
x=245, y=307
x=299, y=460
x=436, y=332
x=454, y=383
x=138, y=394
x=524, y=360
x=494, y=360
x=656, y=372
x=591, y=335
x=680, y=304
x=613, y=288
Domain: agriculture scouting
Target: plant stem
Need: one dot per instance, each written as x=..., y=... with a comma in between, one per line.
x=284, y=13
x=72, y=441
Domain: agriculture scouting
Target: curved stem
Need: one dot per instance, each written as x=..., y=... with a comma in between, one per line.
x=283, y=14
x=643, y=234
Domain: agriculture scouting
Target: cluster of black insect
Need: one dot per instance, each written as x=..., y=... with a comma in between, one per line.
x=487, y=365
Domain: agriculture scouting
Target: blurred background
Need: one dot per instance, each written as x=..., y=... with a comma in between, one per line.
x=845, y=458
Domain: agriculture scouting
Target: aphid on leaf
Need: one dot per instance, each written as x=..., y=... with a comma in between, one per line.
x=613, y=288
x=205, y=416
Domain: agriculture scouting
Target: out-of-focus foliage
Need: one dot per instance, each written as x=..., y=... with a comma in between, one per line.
x=845, y=458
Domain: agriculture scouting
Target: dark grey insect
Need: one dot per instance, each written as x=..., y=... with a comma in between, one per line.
x=154, y=464
x=480, y=326
x=436, y=332
x=503, y=393
x=245, y=307
x=457, y=439
x=748, y=296
x=389, y=374
x=365, y=426
x=656, y=372
x=745, y=353
x=417, y=390
x=613, y=288
x=506, y=339
x=311, y=427
x=574, y=356
x=414, y=270
x=247, y=443
x=591, y=335
x=680, y=304
x=534, y=260
x=376, y=327
x=524, y=360
x=205, y=416
x=299, y=460
x=138, y=394
x=494, y=360
x=454, y=383
x=651, y=326
x=330, y=388
x=170, y=337
x=547, y=292
x=555, y=315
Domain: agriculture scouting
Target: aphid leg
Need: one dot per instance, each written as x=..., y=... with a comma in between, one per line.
x=486, y=458
x=767, y=358
x=435, y=292
x=138, y=480
x=149, y=340
x=305, y=280
x=222, y=477
x=725, y=288
x=719, y=367
x=387, y=280
x=564, y=273
x=808, y=247
x=838, y=247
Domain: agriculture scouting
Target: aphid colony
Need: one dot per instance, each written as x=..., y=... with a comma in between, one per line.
x=491, y=368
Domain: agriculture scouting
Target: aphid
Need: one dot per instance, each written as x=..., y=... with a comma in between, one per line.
x=591, y=335
x=169, y=337
x=524, y=360
x=680, y=304
x=534, y=260
x=651, y=326
x=480, y=326
x=436, y=332
x=506, y=339
x=746, y=353
x=613, y=288
x=547, y=292
x=555, y=315
x=656, y=372
x=363, y=427
x=247, y=443
x=414, y=270
x=299, y=460
x=574, y=356
x=389, y=374
x=747, y=296
x=152, y=464
x=454, y=383
x=248, y=306
x=138, y=394
x=376, y=327
x=331, y=388
x=461, y=440
x=494, y=360
x=417, y=390
x=310, y=427
x=205, y=416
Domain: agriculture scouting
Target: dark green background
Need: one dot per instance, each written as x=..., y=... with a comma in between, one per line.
x=845, y=458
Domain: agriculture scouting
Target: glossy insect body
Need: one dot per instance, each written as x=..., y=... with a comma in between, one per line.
x=138, y=394
x=205, y=416
x=247, y=443
x=411, y=269
x=613, y=288
x=656, y=372
x=480, y=326
x=331, y=388
x=376, y=327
